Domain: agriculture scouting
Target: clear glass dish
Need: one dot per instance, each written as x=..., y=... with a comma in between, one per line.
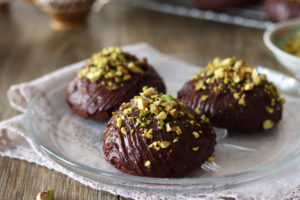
x=76, y=144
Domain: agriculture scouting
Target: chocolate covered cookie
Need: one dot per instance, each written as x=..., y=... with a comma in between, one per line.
x=156, y=135
x=234, y=96
x=108, y=79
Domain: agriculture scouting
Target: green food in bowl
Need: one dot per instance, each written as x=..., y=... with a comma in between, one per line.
x=278, y=37
x=288, y=39
x=292, y=46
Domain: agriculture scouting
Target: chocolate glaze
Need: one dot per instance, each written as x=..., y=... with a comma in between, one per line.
x=91, y=100
x=222, y=5
x=278, y=10
x=129, y=152
x=224, y=110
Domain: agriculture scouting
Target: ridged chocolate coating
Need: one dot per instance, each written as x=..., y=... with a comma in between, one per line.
x=130, y=152
x=278, y=10
x=91, y=100
x=224, y=110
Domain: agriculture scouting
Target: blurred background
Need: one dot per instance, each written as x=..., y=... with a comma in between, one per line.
x=40, y=36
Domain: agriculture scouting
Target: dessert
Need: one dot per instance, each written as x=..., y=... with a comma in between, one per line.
x=222, y=5
x=156, y=135
x=278, y=10
x=108, y=79
x=234, y=96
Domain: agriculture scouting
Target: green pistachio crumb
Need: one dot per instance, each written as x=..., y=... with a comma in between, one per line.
x=167, y=97
x=268, y=124
x=162, y=116
x=164, y=144
x=269, y=109
x=196, y=134
x=45, y=195
x=147, y=163
x=119, y=122
x=123, y=130
x=178, y=130
x=204, y=97
x=195, y=148
x=197, y=110
x=176, y=140
x=204, y=118
x=168, y=127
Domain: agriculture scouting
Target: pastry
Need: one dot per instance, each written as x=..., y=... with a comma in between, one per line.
x=108, y=79
x=156, y=135
x=234, y=96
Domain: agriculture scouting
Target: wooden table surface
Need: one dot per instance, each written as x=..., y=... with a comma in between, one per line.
x=29, y=49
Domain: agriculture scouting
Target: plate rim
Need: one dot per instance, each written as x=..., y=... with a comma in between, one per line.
x=250, y=175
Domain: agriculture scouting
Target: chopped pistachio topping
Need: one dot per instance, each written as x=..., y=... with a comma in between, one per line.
x=178, y=130
x=151, y=112
x=154, y=109
x=196, y=134
x=204, y=97
x=119, y=122
x=269, y=109
x=142, y=103
x=236, y=75
x=195, y=148
x=242, y=100
x=200, y=85
x=45, y=195
x=211, y=158
x=112, y=66
x=174, y=113
x=160, y=144
x=164, y=144
x=268, y=124
x=204, y=118
x=197, y=110
x=123, y=130
x=162, y=115
x=148, y=92
x=168, y=127
x=176, y=140
x=147, y=163
x=148, y=133
x=167, y=97
x=191, y=116
x=236, y=95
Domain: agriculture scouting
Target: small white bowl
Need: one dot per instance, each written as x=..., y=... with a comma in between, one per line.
x=274, y=38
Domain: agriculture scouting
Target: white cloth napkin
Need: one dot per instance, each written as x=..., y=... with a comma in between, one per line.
x=15, y=141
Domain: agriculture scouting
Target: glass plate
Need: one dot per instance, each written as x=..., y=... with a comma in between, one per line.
x=76, y=144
